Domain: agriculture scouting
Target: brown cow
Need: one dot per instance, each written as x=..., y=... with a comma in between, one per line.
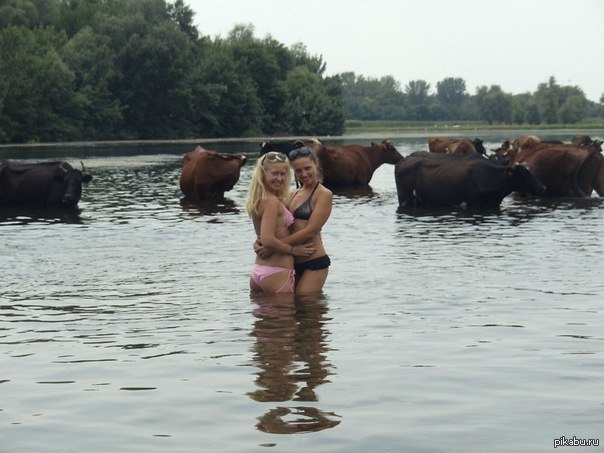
x=354, y=165
x=566, y=170
x=462, y=146
x=207, y=174
x=439, y=144
x=525, y=141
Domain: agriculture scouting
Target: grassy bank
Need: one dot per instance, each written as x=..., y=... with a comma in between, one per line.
x=352, y=127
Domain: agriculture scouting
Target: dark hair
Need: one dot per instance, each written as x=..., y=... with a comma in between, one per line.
x=301, y=152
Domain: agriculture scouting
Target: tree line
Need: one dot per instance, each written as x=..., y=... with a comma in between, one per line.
x=140, y=69
x=383, y=99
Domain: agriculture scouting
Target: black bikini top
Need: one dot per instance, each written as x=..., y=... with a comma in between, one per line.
x=304, y=211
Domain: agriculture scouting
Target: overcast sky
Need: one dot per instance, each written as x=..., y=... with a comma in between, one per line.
x=515, y=44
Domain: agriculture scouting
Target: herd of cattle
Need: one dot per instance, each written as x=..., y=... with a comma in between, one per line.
x=455, y=173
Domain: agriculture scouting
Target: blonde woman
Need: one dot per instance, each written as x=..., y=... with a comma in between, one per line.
x=265, y=204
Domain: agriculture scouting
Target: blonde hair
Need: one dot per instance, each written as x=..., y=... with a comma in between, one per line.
x=257, y=190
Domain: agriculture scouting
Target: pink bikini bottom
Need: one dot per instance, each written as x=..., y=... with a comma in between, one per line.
x=259, y=272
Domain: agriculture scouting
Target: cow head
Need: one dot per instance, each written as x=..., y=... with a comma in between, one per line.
x=389, y=153
x=478, y=146
x=70, y=182
x=524, y=181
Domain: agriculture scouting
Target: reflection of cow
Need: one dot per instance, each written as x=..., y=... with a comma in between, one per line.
x=448, y=180
x=207, y=174
x=566, y=170
x=354, y=165
x=41, y=184
x=285, y=146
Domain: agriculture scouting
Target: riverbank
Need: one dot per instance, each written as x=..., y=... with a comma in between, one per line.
x=354, y=130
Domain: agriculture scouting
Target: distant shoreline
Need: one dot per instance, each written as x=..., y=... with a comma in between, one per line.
x=362, y=134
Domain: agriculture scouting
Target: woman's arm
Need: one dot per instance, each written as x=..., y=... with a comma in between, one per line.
x=268, y=226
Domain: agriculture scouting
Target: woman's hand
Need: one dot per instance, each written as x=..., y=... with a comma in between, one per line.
x=303, y=249
x=261, y=250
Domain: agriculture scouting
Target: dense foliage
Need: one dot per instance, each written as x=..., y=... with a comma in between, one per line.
x=383, y=99
x=140, y=69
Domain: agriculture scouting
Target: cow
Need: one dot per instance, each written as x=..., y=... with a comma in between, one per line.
x=462, y=146
x=207, y=174
x=50, y=184
x=467, y=147
x=465, y=181
x=525, y=141
x=585, y=140
x=354, y=165
x=581, y=140
x=566, y=170
x=439, y=144
x=285, y=146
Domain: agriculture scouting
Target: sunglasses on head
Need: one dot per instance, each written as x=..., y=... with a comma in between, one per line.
x=275, y=156
x=300, y=152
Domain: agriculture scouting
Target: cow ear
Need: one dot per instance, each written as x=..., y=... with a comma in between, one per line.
x=86, y=178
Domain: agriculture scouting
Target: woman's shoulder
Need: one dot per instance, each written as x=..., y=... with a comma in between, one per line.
x=324, y=191
x=269, y=200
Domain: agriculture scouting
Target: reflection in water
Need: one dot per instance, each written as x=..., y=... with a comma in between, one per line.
x=47, y=215
x=209, y=207
x=290, y=351
x=353, y=191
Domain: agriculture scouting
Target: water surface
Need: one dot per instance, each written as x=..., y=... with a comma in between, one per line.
x=128, y=325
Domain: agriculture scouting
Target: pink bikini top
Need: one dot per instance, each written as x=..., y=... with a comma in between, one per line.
x=289, y=217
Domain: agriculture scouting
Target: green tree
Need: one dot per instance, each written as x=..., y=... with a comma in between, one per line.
x=417, y=92
x=182, y=15
x=39, y=106
x=493, y=104
x=314, y=106
x=573, y=109
x=89, y=56
x=547, y=100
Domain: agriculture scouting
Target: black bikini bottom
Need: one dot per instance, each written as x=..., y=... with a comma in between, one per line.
x=317, y=264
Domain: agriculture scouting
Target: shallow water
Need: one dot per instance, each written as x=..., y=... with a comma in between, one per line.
x=128, y=325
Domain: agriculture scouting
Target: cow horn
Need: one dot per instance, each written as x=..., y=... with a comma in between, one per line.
x=62, y=167
x=83, y=169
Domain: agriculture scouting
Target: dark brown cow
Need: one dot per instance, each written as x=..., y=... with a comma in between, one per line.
x=468, y=181
x=354, y=165
x=585, y=140
x=566, y=170
x=207, y=174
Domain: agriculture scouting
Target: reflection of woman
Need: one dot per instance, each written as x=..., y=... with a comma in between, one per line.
x=290, y=352
x=311, y=206
x=265, y=205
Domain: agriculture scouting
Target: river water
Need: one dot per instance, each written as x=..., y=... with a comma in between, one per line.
x=128, y=326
